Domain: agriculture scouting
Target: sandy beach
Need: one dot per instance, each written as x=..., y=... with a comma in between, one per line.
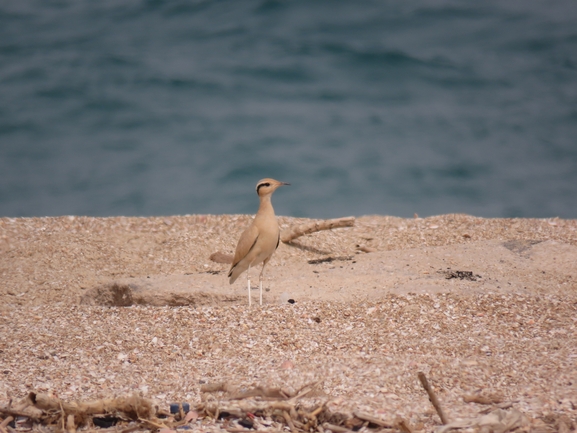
x=99, y=307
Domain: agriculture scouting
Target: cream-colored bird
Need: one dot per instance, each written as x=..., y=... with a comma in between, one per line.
x=260, y=240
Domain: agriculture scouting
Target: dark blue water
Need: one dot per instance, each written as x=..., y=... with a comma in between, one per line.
x=390, y=107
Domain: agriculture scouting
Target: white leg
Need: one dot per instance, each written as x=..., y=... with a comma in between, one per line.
x=248, y=284
x=249, y=301
x=260, y=277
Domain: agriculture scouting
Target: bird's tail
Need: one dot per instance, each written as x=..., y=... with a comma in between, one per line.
x=235, y=271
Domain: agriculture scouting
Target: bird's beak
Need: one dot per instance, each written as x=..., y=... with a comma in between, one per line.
x=284, y=183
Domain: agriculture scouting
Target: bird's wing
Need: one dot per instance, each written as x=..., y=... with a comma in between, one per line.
x=245, y=244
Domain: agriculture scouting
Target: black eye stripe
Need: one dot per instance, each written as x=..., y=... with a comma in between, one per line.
x=262, y=184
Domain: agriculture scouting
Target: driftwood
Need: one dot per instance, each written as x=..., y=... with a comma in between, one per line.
x=286, y=408
x=261, y=392
x=432, y=397
x=289, y=412
x=371, y=419
x=24, y=413
x=133, y=407
x=5, y=423
x=335, y=428
x=264, y=393
x=68, y=416
x=483, y=399
x=329, y=259
x=215, y=387
x=24, y=408
x=300, y=411
x=291, y=233
x=498, y=420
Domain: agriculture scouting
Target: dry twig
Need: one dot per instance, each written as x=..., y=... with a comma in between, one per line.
x=11, y=412
x=5, y=423
x=70, y=424
x=291, y=233
x=371, y=419
x=215, y=387
x=335, y=428
x=482, y=399
x=432, y=397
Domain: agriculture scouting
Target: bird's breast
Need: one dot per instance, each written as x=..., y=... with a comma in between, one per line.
x=269, y=236
x=268, y=231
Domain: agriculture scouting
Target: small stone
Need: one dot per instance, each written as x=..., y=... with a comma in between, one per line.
x=191, y=416
x=287, y=365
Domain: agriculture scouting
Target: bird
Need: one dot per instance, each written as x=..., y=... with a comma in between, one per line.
x=260, y=240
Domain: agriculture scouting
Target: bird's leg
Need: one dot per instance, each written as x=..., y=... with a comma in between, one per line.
x=248, y=284
x=260, y=285
x=260, y=279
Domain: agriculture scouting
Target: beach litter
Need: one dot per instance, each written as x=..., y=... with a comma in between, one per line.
x=224, y=407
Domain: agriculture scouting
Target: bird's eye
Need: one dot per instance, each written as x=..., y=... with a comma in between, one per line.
x=266, y=184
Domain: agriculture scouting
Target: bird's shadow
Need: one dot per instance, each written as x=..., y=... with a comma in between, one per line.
x=306, y=248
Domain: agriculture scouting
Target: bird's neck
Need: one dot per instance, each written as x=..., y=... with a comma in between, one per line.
x=265, y=207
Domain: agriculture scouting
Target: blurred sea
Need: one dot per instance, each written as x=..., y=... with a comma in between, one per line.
x=156, y=107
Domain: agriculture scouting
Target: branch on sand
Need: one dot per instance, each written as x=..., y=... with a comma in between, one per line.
x=291, y=233
x=432, y=397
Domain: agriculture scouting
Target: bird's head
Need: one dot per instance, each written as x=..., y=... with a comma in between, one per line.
x=268, y=186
